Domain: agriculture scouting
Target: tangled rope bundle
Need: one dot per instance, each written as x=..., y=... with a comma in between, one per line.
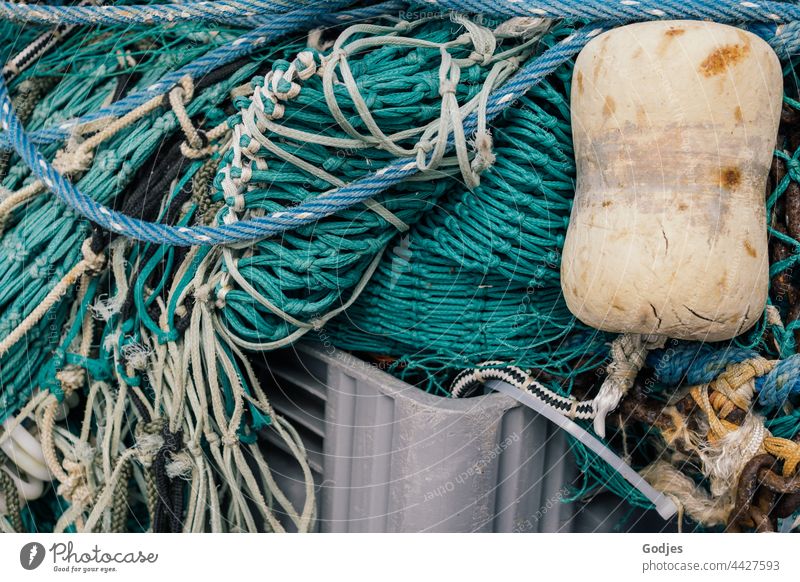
x=710, y=429
x=419, y=176
x=116, y=465
x=165, y=355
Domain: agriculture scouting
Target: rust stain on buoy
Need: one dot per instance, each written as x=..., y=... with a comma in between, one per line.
x=669, y=35
x=720, y=59
x=730, y=178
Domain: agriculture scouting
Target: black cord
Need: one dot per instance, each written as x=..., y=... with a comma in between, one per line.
x=168, y=513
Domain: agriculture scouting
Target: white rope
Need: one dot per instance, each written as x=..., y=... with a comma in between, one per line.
x=628, y=354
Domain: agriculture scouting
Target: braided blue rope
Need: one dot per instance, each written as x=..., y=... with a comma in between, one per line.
x=278, y=25
x=781, y=383
x=310, y=210
x=621, y=11
x=786, y=41
x=206, y=11
x=701, y=363
x=224, y=10
x=763, y=16
x=698, y=363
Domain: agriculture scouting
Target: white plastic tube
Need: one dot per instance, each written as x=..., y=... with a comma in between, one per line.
x=25, y=451
x=663, y=504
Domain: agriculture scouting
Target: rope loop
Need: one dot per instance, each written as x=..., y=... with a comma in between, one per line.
x=95, y=262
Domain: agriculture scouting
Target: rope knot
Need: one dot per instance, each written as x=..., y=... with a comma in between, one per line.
x=736, y=385
x=281, y=84
x=793, y=169
x=180, y=466
x=482, y=39
x=136, y=355
x=203, y=293
x=149, y=440
x=68, y=161
x=447, y=87
x=71, y=379
x=423, y=146
x=179, y=97
x=268, y=103
x=222, y=293
x=484, y=154
x=481, y=58
x=523, y=27
x=186, y=88
x=75, y=488
x=306, y=63
x=94, y=261
x=774, y=316
x=230, y=439
x=83, y=452
x=628, y=354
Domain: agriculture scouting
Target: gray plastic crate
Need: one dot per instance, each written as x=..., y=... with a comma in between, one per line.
x=388, y=457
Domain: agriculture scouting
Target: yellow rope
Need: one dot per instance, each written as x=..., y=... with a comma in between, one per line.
x=735, y=388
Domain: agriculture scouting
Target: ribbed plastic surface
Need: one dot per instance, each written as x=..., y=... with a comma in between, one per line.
x=388, y=457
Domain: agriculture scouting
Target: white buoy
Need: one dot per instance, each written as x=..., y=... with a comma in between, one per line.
x=674, y=125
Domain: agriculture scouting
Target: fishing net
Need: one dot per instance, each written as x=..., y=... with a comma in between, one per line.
x=149, y=345
x=478, y=277
x=128, y=385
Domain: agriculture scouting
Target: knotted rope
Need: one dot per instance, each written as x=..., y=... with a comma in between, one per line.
x=724, y=447
x=628, y=355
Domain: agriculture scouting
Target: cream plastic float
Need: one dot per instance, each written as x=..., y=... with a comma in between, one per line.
x=27, y=466
x=674, y=124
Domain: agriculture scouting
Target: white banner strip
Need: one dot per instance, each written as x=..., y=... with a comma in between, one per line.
x=407, y=557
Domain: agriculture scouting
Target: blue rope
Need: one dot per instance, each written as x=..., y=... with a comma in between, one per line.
x=694, y=363
x=277, y=26
x=307, y=212
x=700, y=364
x=785, y=41
x=619, y=12
x=214, y=11
x=783, y=381
x=225, y=10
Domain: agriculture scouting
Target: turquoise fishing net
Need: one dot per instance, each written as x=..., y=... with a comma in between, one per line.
x=42, y=238
x=477, y=278
x=305, y=273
